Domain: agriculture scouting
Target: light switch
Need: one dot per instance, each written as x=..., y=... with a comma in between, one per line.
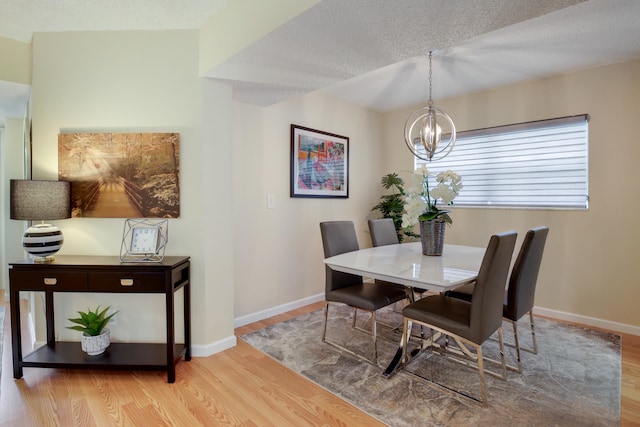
x=271, y=202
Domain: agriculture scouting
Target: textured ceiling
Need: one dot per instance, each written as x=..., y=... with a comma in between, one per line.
x=373, y=52
x=369, y=52
x=337, y=40
x=587, y=35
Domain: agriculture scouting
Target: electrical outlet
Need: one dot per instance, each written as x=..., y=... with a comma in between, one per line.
x=114, y=320
x=271, y=201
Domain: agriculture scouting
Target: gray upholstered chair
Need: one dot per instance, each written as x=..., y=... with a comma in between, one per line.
x=520, y=294
x=469, y=323
x=339, y=237
x=383, y=233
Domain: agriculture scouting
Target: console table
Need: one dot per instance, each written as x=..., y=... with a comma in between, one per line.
x=71, y=273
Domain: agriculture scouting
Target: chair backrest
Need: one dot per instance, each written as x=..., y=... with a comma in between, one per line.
x=338, y=237
x=524, y=275
x=383, y=232
x=488, y=292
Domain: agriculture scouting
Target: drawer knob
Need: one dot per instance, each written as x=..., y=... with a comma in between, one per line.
x=50, y=281
x=126, y=282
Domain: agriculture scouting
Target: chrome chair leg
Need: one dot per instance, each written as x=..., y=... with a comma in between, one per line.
x=517, y=346
x=374, y=360
x=478, y=358
x=483, y=383
x=481, y=367
x=374, y=337
x=326, y=319
x=532, y=325
x=533, y=332
x=503, y=361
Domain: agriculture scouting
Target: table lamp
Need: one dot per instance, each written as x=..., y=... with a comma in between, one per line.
x=36, y=200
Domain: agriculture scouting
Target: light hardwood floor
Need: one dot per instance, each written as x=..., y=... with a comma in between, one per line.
x=240, y=386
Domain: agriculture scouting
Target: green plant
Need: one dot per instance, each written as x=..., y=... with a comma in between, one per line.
x=392, y=205
x=92, y=322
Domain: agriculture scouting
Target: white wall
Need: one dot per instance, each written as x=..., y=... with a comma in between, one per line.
x=278, y=252
x=11, y=167
x=142, y=81
x=589, y=267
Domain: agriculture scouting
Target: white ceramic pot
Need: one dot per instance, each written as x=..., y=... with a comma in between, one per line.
x=94, y=345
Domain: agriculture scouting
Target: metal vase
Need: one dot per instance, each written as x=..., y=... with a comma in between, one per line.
x=432, y=237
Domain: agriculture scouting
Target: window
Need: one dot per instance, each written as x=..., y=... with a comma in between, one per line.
x=541, y=164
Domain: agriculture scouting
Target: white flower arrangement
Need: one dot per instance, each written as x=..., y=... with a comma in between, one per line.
x=421, y=201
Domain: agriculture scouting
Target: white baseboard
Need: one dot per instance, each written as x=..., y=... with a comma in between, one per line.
x=586, y=320
x=224, y=344
x=270, y=312
x=214, y=347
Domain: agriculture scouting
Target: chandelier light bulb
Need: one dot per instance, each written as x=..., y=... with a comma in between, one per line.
x=430, y=134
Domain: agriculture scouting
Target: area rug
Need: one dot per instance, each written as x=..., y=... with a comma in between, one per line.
x=573, y=380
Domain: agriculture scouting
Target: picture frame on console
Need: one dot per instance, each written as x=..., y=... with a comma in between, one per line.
x=319, y=163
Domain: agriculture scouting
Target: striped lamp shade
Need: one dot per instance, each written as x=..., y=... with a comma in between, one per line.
x=36, y=200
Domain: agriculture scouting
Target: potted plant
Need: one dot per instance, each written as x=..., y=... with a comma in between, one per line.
x=421, y=206
x=95, y=335
x=392, y=205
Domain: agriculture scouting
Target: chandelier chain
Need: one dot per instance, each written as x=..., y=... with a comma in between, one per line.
x=430, y=100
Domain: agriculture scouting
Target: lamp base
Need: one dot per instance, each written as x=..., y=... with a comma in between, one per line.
x=42, y=241
x=44, y=259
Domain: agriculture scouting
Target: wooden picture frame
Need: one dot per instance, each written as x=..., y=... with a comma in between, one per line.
x=319, y=163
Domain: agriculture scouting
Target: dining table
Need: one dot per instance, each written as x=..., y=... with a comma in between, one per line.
x=405, y=264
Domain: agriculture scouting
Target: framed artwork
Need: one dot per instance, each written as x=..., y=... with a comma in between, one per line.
x=319, y=163
x=121, y=175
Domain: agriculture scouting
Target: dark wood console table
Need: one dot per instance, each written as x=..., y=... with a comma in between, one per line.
x=70, y=273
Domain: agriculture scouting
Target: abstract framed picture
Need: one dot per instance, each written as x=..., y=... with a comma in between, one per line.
x=319, y=163
x=121, y=175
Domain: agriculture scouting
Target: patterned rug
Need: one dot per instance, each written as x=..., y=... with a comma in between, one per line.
x=573, y=380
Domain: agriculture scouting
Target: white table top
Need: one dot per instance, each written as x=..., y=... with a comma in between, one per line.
x=404, y=264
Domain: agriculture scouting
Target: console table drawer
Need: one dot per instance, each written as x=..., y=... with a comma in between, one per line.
x=48, y=280
x=107, y=281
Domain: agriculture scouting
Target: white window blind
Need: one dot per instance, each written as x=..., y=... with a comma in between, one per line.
x=541, y=164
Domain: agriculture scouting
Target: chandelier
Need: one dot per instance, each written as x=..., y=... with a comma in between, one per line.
x=423, y=131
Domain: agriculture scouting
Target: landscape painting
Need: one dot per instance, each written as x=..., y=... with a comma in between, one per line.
x=121, y=175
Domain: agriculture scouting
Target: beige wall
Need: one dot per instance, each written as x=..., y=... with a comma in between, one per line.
x=16, y=61
x=279, y=251
x=248, y=259
x=589, y=265
x=144, y=81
